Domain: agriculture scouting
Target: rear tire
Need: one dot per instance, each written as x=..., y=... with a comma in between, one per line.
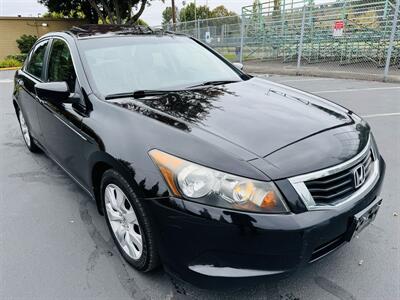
x=129, y=222
x=26, y=135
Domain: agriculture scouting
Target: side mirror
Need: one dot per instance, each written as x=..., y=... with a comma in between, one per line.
x=238, y=66
x=56, y=92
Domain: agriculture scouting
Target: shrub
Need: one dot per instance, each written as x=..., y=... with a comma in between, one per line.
x=20, y=57
x=230, y=56
x=25, y=42
x=9, y=63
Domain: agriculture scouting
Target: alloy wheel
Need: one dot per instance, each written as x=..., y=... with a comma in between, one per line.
x=123, y=221
x=24, y=129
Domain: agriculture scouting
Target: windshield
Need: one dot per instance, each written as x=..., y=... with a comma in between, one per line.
x=127, y=64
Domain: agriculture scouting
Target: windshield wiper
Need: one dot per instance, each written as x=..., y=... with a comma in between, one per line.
x=145, y=93
x=215, y=82
x=141, y=94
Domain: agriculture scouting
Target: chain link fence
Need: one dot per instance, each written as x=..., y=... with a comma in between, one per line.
x=345, y=38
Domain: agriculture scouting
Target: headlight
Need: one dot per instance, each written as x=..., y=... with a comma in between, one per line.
x=201, y=184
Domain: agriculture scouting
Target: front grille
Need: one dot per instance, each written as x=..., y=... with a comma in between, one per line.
x=331, y=189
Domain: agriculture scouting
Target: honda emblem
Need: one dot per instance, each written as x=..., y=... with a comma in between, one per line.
x=359, y=176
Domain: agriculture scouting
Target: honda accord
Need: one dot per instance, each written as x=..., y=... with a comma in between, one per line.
x=220, y=176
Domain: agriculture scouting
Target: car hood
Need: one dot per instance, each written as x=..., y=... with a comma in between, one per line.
x=320, y=151
x=257, y=115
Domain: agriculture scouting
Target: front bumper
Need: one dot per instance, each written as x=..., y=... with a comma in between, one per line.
x=211, y=247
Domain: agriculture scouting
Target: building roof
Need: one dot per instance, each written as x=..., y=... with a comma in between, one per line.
x=41, y=19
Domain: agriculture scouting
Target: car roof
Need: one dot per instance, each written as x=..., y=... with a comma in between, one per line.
x=98, y=30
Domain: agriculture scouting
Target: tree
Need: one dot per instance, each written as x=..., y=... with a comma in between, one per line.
x=25, y=42
x=106, y=11
x=187, y=13
x=141, y=22
x=56, y=15
x=221, y=11
x=223, y=16
x=167, y=16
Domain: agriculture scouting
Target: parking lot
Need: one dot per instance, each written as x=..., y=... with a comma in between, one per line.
x=54, y=244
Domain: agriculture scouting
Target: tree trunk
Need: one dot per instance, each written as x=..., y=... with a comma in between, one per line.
x=98, y=11
x=117, y=12
x=138, y=14
x=91, y=14
x=173, y=12
x=109, y=12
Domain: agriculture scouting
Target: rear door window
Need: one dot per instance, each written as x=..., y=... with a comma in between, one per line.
x=36, y=61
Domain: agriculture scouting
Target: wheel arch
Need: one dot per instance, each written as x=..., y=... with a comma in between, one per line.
x=101, y=162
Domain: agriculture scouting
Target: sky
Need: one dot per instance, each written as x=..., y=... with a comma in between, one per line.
x=152, y=14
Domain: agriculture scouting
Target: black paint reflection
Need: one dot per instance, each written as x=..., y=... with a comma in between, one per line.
x=179, y=109
x=243, y=221
x=330, y=111
x=191, y=106
x=148, y=190
x=307, y=102
x=138, y=107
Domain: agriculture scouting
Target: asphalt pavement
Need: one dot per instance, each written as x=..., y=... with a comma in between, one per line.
x=54, y=244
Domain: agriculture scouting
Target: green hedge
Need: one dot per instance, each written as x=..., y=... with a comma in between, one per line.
x=230, y=56
x=9, y=63
x=20, y=57
x=25, y=42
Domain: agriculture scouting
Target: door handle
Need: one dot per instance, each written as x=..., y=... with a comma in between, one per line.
x=20, y=82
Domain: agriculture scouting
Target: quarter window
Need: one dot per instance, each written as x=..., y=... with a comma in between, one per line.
x=35, y=64
x=61, y=67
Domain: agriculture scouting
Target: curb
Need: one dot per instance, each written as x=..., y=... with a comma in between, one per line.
x=10, y=69
x=322, y=73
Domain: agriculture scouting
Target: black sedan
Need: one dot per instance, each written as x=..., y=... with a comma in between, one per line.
x=219, y=176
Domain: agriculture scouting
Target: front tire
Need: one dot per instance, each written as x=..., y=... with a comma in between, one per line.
x=129, y=222
x=29, y=141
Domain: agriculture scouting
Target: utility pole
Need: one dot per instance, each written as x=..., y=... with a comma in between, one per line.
x=173, y=14
x=391, y=40
x=195, y=17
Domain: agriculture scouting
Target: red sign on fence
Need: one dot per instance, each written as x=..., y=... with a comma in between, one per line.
x=338, y=27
